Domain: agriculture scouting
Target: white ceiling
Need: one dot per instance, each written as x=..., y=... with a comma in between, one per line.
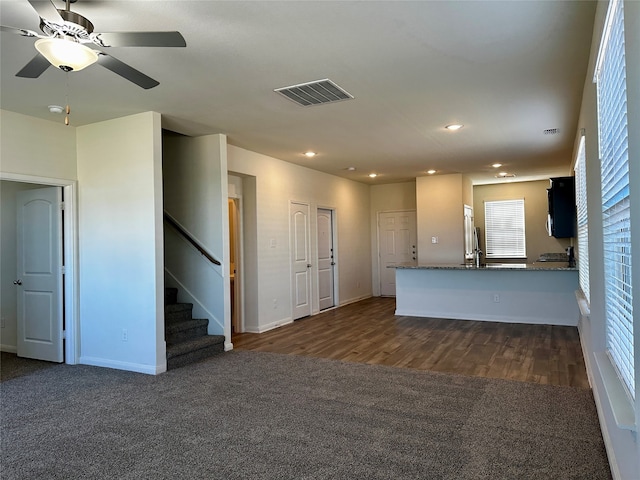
x=507, y=70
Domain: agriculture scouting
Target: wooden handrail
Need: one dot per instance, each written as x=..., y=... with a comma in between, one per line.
x=169, y=219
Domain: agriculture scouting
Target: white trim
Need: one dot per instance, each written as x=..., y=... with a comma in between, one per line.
x=8, y=348
x=240, y=259
x=70, y=245
x=128, y=366
x=355, y=300
x=453, y=316
x=271, y=326
x=615, y=393
x=334, y=243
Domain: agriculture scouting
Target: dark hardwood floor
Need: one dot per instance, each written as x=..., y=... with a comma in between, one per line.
x=369, y=332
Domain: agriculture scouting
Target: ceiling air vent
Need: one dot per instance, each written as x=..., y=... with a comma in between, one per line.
x=551, y=131
x=314, y=93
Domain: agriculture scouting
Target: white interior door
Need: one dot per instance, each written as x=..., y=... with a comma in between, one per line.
x=300, y=260
x=39, y=272
x=325, y=259
x=397, y=241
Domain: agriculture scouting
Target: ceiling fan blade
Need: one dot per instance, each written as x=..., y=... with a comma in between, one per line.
x=19, y=31
x=141, y=39
x=47, y=10
x=34, y=68
x=126, y=71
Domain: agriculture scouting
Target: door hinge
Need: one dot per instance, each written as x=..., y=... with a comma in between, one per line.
x=61, y=205
x=63, y=269
x=64, y=334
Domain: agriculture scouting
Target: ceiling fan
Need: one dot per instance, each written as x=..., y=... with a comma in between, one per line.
x=66, y=34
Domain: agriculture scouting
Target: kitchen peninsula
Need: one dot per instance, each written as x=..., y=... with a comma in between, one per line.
x=539, y=293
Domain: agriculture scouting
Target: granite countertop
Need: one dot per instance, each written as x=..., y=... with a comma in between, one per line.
x=545, y=266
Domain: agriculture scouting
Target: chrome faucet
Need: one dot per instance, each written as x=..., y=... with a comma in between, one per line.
x=477, y=253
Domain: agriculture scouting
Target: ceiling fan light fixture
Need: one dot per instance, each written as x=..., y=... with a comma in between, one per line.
x=65, y=54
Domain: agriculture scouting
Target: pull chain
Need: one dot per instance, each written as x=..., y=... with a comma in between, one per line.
x=67, y=108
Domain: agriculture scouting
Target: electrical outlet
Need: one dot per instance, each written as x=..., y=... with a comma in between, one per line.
x=434, y=240
x=3, y=322
x=358, y=284
x=275, y=303
x=125, y=335
x=496, y=298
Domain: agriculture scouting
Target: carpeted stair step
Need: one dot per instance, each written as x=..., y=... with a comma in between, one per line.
x=176, y=332
x=191, y=351
x=170, y=296
x=177, y=312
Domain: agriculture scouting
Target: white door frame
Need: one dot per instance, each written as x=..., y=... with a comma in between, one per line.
x=310, y=254
x=334, y=241
x=70, y=249
x=239, y=286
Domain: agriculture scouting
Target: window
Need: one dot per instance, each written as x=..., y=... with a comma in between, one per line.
x=614, y=163
x=504, y=229
x=583, y=220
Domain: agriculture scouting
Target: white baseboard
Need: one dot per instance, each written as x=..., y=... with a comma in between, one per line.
x=355, y=299
x=131, y=367
x=8, y=348
x=228, y=346
x=270, y=326
x=488, y=318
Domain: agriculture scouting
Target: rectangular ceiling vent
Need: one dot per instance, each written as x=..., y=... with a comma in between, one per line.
x=314, y=93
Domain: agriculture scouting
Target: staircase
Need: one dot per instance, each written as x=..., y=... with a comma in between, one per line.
x=186, y=337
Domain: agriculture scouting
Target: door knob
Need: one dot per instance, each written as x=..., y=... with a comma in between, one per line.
x=17, y=282
x=308, y=265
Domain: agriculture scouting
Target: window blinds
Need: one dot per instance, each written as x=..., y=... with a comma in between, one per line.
x=583, y=220
x=614, y=163
x=504, y=229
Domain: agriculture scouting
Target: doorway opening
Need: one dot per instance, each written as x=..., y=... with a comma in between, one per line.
x=326, y=259
x=397, y=244
x=235, y=265
x=66, y=214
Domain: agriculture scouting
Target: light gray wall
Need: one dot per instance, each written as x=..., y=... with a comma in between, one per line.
x=276, y=184
x=121, y=247
x=195, y=195
x=31, y=146
x=31, y=150
x=440, y=214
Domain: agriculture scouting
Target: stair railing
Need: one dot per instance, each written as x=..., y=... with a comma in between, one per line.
x=176, y=226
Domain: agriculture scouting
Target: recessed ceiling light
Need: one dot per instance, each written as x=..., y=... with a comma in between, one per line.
x=496, y=165
x=431, y=172
x=309, y=154
x=373, y=175
x=55, y=109
x=503, y=174
x=454, y=127
x=351, y=169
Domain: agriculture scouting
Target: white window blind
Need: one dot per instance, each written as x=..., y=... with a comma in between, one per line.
x=614, y=163
x=583, y=220
x=504, y=229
